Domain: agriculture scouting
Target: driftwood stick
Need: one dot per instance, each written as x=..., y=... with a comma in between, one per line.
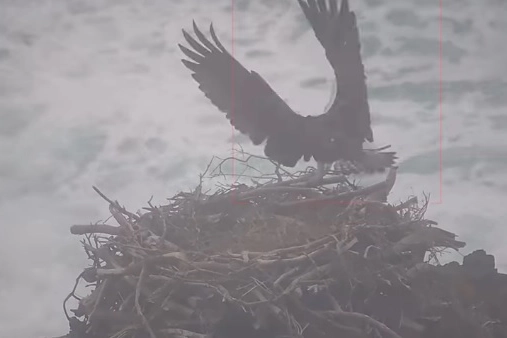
x=324, y=181
x=269, y=190
x=296, y=181
x=139, y=310
x=300, y=248
x=279, y=187
x=236, y=196
x=338, y=197
x=281, y=252
x=284, y=276
x=294, y=260
x=312, y=274
x=319, y=319
x=383, y=187
x=118, y=216
x=180, y=333
x=81, y=229
x=367, y=319
x=174, y=258
x=116, y=204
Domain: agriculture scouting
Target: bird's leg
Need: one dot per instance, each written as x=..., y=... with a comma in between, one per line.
x=316, y=178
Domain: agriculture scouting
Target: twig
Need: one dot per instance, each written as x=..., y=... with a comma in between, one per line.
x=183, y=333
x=315, y=273
x=367, y=319
x=293, y=260
x=118, y=216
x=138, y=306
x=71, y=294
x=116, y=205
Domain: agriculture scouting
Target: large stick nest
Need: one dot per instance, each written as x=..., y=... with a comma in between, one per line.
x=279, y=258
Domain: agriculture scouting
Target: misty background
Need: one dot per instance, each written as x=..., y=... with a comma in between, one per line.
x=93, y=92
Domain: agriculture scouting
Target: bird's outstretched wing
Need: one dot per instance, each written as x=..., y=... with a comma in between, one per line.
x=250, y=104
x=337, y=32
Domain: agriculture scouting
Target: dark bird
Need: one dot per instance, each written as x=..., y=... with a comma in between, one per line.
x=255, y=109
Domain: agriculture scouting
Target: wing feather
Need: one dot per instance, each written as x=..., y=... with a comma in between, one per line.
x=250, y=104
x=194, y=56
x=322, y=6
x=195, y=45
x=337, y=32
x=203, y=39
x=215, y=38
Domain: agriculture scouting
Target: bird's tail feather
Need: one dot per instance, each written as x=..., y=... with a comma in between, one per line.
x=374, y=161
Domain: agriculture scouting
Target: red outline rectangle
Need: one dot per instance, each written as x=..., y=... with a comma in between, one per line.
x=440, y=99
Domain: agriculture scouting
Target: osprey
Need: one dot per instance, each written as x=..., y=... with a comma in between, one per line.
x=256, y=110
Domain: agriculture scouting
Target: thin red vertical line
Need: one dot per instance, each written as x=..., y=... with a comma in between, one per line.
x=440, y=104
x=232, y=90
